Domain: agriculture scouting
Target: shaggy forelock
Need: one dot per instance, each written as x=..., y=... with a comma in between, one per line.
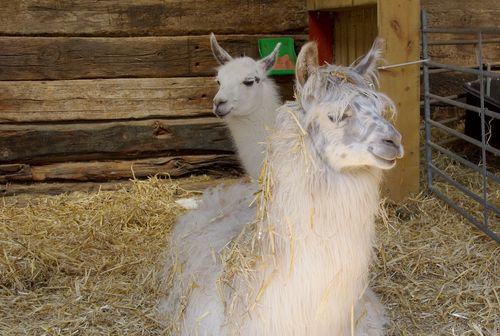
x=343, y=88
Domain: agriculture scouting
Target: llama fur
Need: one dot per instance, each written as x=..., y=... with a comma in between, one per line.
x=315, y=226
x=246, y=101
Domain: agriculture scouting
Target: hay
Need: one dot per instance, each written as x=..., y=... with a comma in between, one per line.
x=88, y=264
x=85, y=264
x=435, y=272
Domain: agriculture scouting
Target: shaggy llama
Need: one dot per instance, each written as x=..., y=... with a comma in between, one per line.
x=305, y=265
x=247, y=101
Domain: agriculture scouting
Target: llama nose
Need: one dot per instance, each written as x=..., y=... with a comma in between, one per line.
x=219, y=101
x=394, y=140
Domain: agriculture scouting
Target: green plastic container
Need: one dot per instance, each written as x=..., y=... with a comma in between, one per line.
x=285, y=64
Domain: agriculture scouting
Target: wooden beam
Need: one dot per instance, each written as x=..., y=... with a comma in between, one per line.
x=25, y=193
x=42, y=144
x=30, y=190
x=173, y=166
x=150, y=17
x=462, y=13
x=399, y=25
x=333, y=5
x=465, y=55
x=70, y=100
x=55, y=58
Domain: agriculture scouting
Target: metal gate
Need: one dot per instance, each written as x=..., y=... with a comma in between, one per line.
x=488, y=217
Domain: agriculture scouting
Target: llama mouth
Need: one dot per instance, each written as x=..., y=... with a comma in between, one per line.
x=221, y=114
x=386, y=156
x=384, y=163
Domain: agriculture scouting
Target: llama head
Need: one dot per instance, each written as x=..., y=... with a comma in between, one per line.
x=343, y=112
x=241, y=82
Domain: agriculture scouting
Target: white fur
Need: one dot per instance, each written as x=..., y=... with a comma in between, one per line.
x=252, y=109
x=197, y=238
x=315, y=239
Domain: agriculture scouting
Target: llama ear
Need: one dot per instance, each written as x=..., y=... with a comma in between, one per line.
x=307, y=62
x=268, y=61
x=367, y=67
x=220, y=54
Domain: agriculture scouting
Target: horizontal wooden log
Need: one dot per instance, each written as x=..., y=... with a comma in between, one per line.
x=28, y=143
x=465, y=55
x=173, y=166
x=462, y=13
x=112, y=99
x=28, y=58
x=150, y=17
x=28, y=101
x=26, y=192
x=37, y=58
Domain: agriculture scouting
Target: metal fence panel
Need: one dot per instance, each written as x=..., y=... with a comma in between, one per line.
x=490, y=218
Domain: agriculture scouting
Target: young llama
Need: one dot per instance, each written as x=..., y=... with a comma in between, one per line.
x=247, y=101
x=307, y=257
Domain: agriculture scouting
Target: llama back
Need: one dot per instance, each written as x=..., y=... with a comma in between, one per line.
x=192, y=265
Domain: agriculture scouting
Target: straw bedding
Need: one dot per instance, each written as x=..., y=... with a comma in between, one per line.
x=89, y=264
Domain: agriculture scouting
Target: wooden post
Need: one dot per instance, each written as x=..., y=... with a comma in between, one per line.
x=399, y=25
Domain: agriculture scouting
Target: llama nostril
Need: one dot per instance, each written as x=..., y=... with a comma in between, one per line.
x=393, y=139
x=218, y=102
x=390, y=142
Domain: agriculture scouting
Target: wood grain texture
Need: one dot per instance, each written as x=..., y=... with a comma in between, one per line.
x=462, y=13
x=112, y=99
x=173, y=166
x=28, y=143
x=355, y=30
x=54, y=58
x=337, y=4
x=465, y=55
x=29, y=191
x=150, y=17
x=399, y=25
x=73, y=100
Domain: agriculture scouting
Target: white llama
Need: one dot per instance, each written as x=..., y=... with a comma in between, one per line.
x=247, y=101
x=313, y=239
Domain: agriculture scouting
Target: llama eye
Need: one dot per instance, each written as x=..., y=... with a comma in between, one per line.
x=248, y=82
x=218, y=83
x=346, y=115
x=342, y=118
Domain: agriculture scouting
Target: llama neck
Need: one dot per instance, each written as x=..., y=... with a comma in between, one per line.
x=251, y=130
x=320, y=204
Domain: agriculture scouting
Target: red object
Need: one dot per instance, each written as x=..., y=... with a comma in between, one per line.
x=321, y=31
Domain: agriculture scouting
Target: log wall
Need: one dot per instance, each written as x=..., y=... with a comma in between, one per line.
x=463, y=14
x=106, y=90
x=93, y=90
